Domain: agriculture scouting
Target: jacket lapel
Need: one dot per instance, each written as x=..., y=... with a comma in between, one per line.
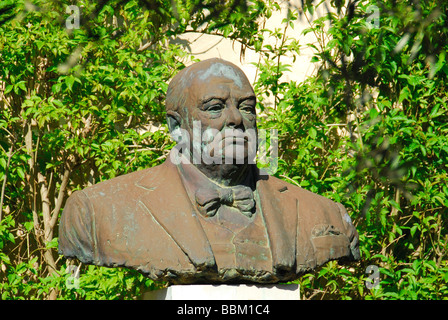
x=164, y=197
x=280, y=214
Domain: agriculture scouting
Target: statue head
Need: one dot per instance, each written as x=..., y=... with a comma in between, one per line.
x=210, y=108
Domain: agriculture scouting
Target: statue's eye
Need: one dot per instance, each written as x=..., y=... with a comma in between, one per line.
x=214, y=106
x=247, y=107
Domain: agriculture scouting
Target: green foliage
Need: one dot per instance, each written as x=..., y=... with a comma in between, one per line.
x=76, y=109
x=370, y=131
x=79, y=106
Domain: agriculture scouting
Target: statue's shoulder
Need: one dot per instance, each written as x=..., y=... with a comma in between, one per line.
x=325, y=222
x=311, y=206
x=102, y=222
x=122, y=185
x=293, y=192
x=98, y=201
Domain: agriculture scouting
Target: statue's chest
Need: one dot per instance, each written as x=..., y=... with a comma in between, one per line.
x=237, y=241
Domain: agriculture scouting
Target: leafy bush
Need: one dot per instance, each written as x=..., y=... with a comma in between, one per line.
x=77, y=108
x=369, y=130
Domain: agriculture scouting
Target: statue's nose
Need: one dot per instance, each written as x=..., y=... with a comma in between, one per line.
x=234, y=118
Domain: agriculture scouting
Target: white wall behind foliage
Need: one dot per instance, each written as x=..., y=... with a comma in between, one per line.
x=203, y=46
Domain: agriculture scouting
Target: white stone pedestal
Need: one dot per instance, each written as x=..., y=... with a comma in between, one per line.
x=225, y=292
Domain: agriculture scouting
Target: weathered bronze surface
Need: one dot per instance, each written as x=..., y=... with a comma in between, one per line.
x=196, y=222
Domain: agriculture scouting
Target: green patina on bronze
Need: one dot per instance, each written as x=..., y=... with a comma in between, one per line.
x=207, y=223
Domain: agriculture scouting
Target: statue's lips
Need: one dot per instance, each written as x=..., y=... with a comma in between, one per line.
x=235, y=136
x=228, y=140
x=237, y=140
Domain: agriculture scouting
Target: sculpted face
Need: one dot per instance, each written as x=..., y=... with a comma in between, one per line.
x=220, y=107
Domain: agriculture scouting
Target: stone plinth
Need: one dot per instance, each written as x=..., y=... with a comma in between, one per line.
x=226, y=292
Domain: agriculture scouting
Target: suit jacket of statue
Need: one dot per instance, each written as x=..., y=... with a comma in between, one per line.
x=146, y=221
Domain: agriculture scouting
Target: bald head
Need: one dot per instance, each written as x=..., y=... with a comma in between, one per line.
x=210, y=106
x=200, y=74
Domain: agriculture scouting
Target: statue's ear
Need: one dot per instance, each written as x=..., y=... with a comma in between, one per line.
x=174, y=122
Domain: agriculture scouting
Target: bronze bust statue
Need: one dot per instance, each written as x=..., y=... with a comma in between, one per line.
x=193, y=220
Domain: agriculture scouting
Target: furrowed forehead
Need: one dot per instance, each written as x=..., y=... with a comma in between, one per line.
x=221, y=70
x=189, y=82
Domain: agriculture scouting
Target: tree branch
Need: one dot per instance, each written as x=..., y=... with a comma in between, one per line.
x=60, y=198
x=10, y=153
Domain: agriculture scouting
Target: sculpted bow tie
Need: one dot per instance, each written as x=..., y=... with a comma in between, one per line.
x=210, y=199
